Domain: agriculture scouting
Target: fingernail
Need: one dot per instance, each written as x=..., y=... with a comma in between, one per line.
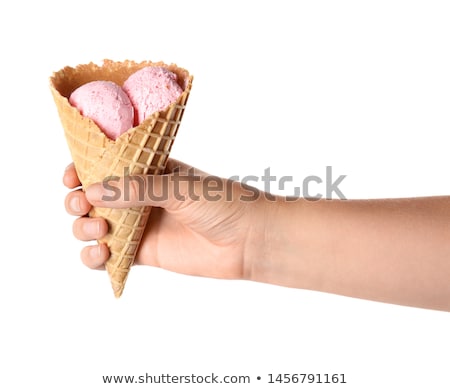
x=92, y=228
x=75, y=204
x=95, y=254
x=99, y=255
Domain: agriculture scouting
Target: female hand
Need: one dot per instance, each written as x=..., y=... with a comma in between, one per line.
x=199, y=224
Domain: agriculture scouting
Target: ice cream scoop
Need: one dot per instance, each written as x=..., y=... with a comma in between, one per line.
x=150, y=90
x=106, y=104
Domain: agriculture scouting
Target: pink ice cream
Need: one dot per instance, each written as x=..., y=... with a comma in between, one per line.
x=107, y=105
x=150, y=90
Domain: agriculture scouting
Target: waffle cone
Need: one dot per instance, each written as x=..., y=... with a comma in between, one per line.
x=141, y=150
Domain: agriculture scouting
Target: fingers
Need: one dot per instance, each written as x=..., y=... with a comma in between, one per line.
x=95, y=256
x=70, y=178
x=76, y=203
x=167, y=191
x=86, y=228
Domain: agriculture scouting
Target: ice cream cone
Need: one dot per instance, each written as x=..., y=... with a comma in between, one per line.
x=141, y=150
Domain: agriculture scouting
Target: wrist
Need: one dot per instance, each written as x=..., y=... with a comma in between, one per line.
x=273, y=246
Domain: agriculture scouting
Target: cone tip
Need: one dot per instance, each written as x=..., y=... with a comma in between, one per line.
x=118, y=290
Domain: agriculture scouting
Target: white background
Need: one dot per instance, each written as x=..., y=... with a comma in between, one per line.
x=361, y=86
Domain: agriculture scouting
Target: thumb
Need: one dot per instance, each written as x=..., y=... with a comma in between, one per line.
x=167, y=191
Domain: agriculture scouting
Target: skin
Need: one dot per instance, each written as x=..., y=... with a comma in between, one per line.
x=388, y=250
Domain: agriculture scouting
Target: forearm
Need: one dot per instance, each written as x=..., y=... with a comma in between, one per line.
x=396, y=251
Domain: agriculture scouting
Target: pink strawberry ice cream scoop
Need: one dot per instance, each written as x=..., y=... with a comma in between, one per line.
x=106, y=104
x=150, y=90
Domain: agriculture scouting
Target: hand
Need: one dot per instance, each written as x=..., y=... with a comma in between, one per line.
x=391, y=250
x=208, y=236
